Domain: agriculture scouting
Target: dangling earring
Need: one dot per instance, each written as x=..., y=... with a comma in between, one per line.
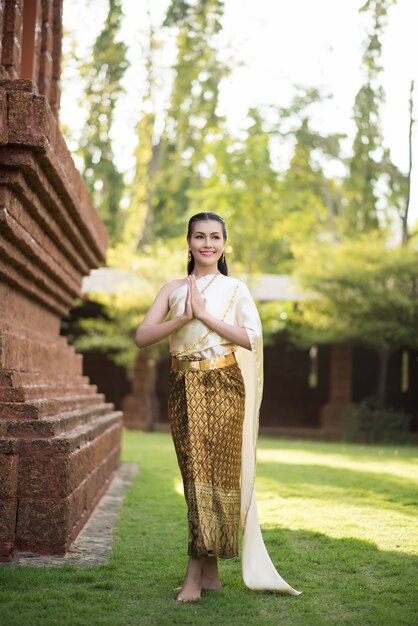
x=189, y=256
x=223, y=257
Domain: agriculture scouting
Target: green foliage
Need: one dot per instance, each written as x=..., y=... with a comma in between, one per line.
x=191, y=118
x=114, y=333
x=369, y=422
x=123, y=311
x=133, y=218
x=367, y=292
x=370, y=160
x=312, y=201
x=242, y=186
x=137, y=219
x=103, y=76
x=274, y=318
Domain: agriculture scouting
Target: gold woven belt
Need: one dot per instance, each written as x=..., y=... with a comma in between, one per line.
x=205, y=364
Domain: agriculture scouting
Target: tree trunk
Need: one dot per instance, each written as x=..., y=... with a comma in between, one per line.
x=332, y=212
x=405, y=230
x=382, y=377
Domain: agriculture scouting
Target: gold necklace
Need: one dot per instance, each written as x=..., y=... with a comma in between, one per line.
x=210, y=331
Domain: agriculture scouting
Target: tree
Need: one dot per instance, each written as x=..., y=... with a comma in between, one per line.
x=191, y=119
x=365, y=292
x=138, y=217
x=243, y=187
x=369, y=160
x=404, y=215
x=405, y=194
x=312, y=201
x=103, y=78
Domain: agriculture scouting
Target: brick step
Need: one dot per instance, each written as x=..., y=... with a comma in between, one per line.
x=85, y=433
x=57, y=424
x=67, y=441
x=14, y=378
x=33, y=392
x=37, y=409
x=25, y=354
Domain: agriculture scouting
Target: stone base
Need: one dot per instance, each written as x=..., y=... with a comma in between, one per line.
x=94, y=543
x=58, y=453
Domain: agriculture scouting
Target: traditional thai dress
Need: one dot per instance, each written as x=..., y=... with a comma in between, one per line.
x=215, y=392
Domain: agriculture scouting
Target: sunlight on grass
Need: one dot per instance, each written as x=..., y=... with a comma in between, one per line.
x=399, y=467
x=362, y=493
x=386, y=529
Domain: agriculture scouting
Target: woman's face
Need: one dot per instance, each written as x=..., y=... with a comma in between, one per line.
x=206, y=242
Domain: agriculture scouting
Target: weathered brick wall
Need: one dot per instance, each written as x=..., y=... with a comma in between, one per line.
x=43, y=37
x=59, y=438
x=2, y=68
x=48, y=53
x=12, y=37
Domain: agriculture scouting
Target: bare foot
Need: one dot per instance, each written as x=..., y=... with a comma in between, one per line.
x=192, y=582
x=210, y=575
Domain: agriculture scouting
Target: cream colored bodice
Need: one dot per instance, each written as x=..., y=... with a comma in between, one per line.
x=218, y=297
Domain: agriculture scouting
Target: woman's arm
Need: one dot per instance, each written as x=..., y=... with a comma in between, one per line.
x=153, y=328
x=236, y=334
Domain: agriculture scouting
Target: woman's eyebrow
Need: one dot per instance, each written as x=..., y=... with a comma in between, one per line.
x=199, y=232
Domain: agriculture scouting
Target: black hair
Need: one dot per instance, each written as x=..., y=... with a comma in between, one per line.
x=206, y=216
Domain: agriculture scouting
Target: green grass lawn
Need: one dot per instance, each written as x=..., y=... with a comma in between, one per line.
x=338, y=521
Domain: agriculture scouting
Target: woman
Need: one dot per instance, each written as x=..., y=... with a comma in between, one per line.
x=215, y=390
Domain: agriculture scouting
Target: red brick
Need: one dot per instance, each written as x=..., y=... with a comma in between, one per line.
x=9, y=473
x=42, y=525
x=7, y=521
x=43, y=478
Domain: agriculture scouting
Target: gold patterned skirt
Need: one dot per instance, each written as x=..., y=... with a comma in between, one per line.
x=206, y=414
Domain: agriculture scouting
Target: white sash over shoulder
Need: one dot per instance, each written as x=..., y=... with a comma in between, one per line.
x=229, y=299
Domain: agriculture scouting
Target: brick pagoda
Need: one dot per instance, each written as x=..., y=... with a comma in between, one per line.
x=59, y=439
